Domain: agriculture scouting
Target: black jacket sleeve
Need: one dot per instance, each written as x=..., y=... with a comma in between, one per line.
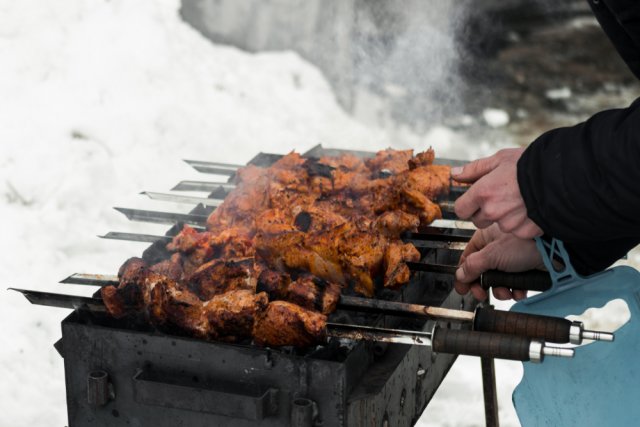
x=581, y=184
x=620, y=20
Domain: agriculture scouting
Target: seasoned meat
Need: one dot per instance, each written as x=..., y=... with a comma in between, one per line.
x=393, y=161
x=171, y=268
x=219, y=276
x=283, y=323
x=274, y=283
x=231, y=315
x=396, y=271
x=393, y=223
x=299, y=231
x=314, y=293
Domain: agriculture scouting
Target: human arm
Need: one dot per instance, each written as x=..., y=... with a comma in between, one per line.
x=582, y=185
x=579, y=184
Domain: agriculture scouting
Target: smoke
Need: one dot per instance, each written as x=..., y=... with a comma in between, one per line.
x=389, y=61
x=409, y=54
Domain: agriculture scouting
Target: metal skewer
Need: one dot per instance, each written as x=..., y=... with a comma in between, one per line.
x=229, y=169
x=178, y=198
x=203, y=186
x=135, y=237
x=445, y=206
x=214, y=167
x=547, y=328
x=473, y=343
x=161, y=217
x=148, y=238
x=442, y=340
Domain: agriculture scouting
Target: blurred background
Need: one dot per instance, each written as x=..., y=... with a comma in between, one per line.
x=100, y=99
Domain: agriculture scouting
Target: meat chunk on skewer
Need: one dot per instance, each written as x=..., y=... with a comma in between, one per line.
x=307, y=291
x=283, y=323
x=219, y=276
x=396, y=271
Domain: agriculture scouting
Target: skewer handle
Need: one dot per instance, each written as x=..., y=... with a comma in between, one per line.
x=483, y=344
x=532, y=280
x=547, y=328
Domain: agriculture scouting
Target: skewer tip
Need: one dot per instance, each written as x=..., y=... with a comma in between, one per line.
x=67, y=280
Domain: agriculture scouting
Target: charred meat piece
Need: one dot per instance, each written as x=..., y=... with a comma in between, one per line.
x=274, y=283
x=219, y=276
x=307, y=291
x=425, y=158
x=172, y=267
x=285, y=324
x=134, y=292
x=394, y=161
x=314, y=293
x=393, y=223
x=171, y=306
x=231, y=315
x=227, y=317
x=396, y=271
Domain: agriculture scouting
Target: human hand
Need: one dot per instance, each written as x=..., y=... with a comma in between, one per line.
x=495, y=195
x=491, y=249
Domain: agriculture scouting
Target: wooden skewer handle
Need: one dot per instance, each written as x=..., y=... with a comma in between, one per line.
x=482, y=344
x=546, y=328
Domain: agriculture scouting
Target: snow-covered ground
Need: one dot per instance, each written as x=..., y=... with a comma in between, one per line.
x=101, y=99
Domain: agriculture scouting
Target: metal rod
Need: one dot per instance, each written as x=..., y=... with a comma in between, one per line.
x=370, y=333
x=403, y=309
x=62, y=300
x=432, y=268
x=135, y=237
x=450, y=342
x=436, y=234
x=346, y=302
x=207, y=201
x=229, y=169
x=214, y=167
x=91, y=279
x=149, y=238
x=453, y=223
x=163, y=217
x=488, y=369
x=178, y=198
x=203, y=186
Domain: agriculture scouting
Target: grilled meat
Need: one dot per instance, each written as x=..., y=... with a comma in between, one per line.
x=283, y=323
x=219, y=276
x=307, y=291
x=298, y=231
x=231, y=316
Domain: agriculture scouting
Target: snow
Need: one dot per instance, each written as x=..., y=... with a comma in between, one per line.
x=100, y=100
x=495, y=117
x=558, y=93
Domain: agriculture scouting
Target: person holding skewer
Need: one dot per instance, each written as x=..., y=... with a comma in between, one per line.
x=578, y=184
